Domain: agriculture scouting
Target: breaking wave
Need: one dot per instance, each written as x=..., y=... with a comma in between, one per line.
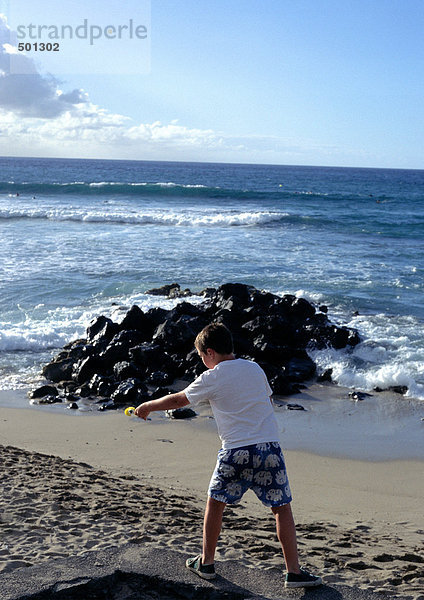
x=147, y=217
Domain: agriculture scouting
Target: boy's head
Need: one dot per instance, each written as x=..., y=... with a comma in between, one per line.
x=215, y=337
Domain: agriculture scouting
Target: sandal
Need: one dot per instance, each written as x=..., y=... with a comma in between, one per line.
x=204, y=571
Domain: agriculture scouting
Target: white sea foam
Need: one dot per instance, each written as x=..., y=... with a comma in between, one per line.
x=142, y=217
x=179, y=185
x=163, y=184
x=313, y=297
x=367, y=377
x=27, y=344
x=391, y=354
x=95, y=184
x=16, y=340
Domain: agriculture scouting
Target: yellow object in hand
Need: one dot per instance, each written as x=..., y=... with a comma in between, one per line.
x=130, y=411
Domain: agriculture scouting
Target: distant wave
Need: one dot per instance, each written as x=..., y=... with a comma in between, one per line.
x=105, y=212
x=171, y=189
x=164, y=188
x=146, y=189
x=221, y=219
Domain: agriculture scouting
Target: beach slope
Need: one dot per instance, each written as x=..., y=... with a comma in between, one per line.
x=77, y=484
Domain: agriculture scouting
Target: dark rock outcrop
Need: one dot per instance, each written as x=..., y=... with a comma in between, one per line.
x=59, y=370
x=397, y=389
x=291, y=406
x=172, y=290
x=132, y=361
x=181, y=413
x=43, y=391
x=325, y=376
x=358, y=396
x=130, y=391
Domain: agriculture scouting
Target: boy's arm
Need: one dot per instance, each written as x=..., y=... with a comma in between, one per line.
x=177, y=400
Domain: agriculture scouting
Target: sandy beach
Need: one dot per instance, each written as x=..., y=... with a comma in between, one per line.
x=73, y=483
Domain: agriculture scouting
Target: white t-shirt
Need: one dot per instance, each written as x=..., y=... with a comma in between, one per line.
x=238, y=392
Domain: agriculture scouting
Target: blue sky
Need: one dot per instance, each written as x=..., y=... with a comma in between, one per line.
x=319, y=82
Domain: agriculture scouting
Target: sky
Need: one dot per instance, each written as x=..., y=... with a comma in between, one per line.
x=297, y=82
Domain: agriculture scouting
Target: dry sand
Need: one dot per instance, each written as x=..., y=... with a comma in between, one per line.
x=73, y=483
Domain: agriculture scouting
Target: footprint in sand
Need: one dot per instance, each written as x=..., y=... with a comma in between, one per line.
x=341, y=544
x=384, y=558
x=415, y=558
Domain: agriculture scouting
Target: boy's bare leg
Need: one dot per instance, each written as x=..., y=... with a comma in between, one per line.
x=211, y=529
x=286, y=533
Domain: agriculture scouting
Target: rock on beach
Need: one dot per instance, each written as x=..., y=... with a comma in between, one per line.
x=124, y=363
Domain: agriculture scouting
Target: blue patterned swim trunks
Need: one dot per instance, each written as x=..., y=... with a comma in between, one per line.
x=259, y=467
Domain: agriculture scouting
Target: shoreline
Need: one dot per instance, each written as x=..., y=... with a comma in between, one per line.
x=78, y=484
x=383, y=427
x=113, y=442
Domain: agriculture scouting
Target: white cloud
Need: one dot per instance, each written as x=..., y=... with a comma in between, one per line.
x=37, y=118
x=33, y=94
x=89, y=131
x=92, y=126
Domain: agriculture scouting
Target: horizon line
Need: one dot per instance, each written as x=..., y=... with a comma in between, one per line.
x=194, y=162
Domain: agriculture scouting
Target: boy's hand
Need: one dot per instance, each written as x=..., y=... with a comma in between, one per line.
x=170, y=401
x=142, y=411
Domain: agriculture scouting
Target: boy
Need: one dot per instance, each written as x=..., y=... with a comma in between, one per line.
x=251, y=457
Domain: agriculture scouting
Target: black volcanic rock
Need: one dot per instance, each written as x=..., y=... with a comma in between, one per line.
x=238, y=291
x=186, y=309
x=102, y=385
x=159, y=392
x=178, y=335
x=144, y=354
x=300, y=369
x=101, y=328
x=50, y=400
x=172, y=290
x=85, y=368
x=154, y=317
x=125, y=370
x=130, y=391
x=325, y=376
x=164, y=290
x=397, y=389
x=44, y=390
x=159, y=378
x=301, y=309
x=135, y=320
x=181, y=413
x=58, y=370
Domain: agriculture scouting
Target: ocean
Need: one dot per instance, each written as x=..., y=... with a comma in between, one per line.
x=81, y=238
